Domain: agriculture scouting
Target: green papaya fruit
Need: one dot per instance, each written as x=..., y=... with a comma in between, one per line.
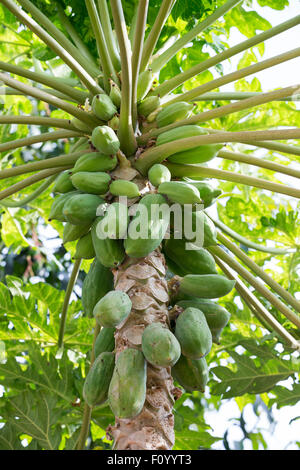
x=97, y=283
x=193, y=333
x=82, y=208
x=217, y=317
x=115, y=221
x=105, y=140
x=182, y=132
x=201, y=154
x=173, y=112
x=148, y=105
x=63, y=183
x=105, y=341
x=92, y=182
x=103, y=107
x=85, y=247
x=95, y=161
x=207, y=193
x=180, y=192
x=205, y=230
x=144, y=84
x=148, y=226
x=159, y=174
x=56, y=211
x=114, y=123
x=112, y=309
x=191, y=374
x=196, y=261
x=173, y=267
x=206, y=286
x=96, y=384
x=74, y=232
x=115, y=94
x=127, y=389
x=109, y=252
x=159, y=345
x=124, y=188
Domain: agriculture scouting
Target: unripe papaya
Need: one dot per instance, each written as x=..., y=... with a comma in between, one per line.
x=97, y=283
x=115, y=221
x=182, y=132
x=173, y=267
x=144, y=84
x=198, y=261
x=202, y=222
x=56, y=211
x=193, y=333
x=96, y=384
x=191, y=374
x=200, y=154
x=179, y=191
x=216, y=316
x=63, y=183
x=114, y=123
x=92, y=182
x=74, y=232
x=148, y=226
x=148, y=105
x=112, y=309
x=81, y=126
x=105, y=140
x=173, y=112
x=160, y=347
x=109, y=252
x=103, y=107
x=207, y=193
x=82, y=208
x=95, y=161
x=124, y=188
x=159, y=174
x=105, y=341
x=85, y=248
x=127, y=389
x=115, y=94
x=206, y=286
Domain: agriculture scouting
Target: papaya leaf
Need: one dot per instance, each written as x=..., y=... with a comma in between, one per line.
x=284, y=396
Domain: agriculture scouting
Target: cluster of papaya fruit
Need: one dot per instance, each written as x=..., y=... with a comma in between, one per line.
x=88, y=204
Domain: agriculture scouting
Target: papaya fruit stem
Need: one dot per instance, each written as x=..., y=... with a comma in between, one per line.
x=32, y=196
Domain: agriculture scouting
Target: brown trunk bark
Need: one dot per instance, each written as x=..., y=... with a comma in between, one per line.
x=144, y=281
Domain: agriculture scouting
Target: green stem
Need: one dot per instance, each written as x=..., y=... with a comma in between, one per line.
x=87, y=413
x=38, y=121
x=238, y=74
x=32, y=196
x=108, y=33
x=225, y=110
x=106, y=63
x=34, y=139
x=84, y=51
x=166, y=87
x=54, y=93
x=15, y=188
x=54, y=162
x=125, y=131
x=266, y=164
x=48, y=98
x=48, y=80
x=68, y=58
x=254, y=282
x=249, y=243
x=263, y=275
x=251, y=299
x=237, y=95
x=192, y=171
x=70, y=287
x=137, y=48
x=157, y=154
x=162, y=60
x=59, y=36
x=155, y=31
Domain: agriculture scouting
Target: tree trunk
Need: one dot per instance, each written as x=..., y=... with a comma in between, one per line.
x=144, y=281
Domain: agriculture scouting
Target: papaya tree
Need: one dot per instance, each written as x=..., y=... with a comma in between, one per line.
x=174, y=200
